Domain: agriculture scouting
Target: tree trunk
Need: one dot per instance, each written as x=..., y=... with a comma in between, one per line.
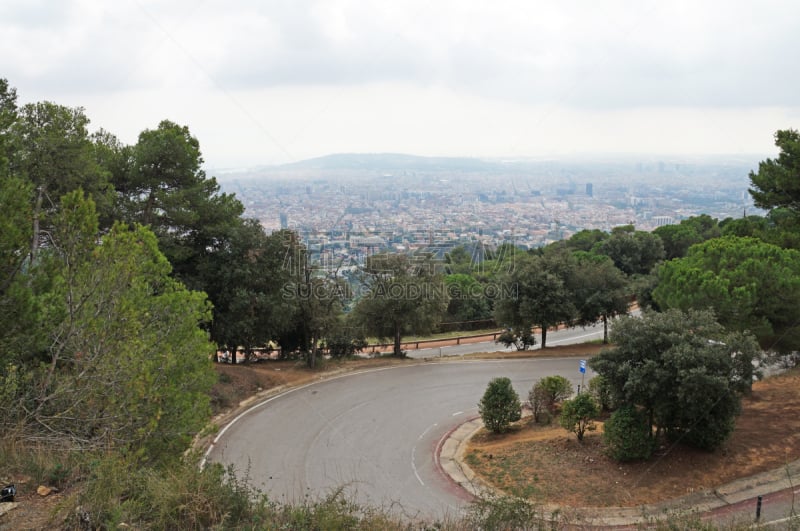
x=544, y=336
x=397, y=350
x=36, y=213
x=605, y=329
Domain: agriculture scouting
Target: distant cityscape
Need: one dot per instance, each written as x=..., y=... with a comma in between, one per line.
x=350, y=206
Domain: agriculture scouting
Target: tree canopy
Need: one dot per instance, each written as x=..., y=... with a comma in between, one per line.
x=684, y=370
x=535, y=296
x=400, y=296
x=751, y=286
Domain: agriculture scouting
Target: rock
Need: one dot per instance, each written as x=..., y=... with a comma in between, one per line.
x=6, y=507
x=43, y=491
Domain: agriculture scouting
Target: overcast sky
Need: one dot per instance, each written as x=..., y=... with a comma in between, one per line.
x=271, y=81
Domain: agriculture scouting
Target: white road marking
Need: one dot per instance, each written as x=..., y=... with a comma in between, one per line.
x=457, y=413
x=414, y=452
x=414, y=465
x=426, y=431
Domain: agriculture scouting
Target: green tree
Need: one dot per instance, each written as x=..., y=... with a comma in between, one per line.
x=8, y=115
x=166, y=189
x=127, y=366
x=577, y=415
x=18, y=311
x=534, y=296
x=677, y=239
x=467, y=299
x=50, y=146
x=599, y=290
x=585, y=240
x=751, y=285
x=459, y=261
x=749, y=226
x=403, y=296
x=248, y=279
x=500, y=405
x=633, y=252
x=775, y=184
x=683, y=370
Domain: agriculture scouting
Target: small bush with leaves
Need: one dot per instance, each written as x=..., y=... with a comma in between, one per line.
x=601, y=392
x=546, y=393
x=500, y=405
x=519, y=339
x=577, y=415
x=627, y=435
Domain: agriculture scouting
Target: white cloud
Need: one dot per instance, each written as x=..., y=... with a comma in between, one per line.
x=280, y=79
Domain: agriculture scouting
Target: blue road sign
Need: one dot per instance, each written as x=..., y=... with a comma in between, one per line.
x=583, y=366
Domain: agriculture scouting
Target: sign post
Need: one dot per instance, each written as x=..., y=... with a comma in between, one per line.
x=583, y=374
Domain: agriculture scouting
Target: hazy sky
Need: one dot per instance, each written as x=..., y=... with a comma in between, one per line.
x=270, y=81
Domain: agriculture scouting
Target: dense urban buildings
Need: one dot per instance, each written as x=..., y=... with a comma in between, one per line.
x=352, y=205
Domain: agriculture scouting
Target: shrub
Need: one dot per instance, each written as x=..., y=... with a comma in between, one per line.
x=500, y=405
x=599, y=389
x=504, y=512
x=546, y=393
x=577, y=414
x=519, y=339
x=627, y=435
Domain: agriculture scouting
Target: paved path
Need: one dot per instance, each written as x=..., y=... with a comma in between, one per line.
x=374, y=433
x=568, y=336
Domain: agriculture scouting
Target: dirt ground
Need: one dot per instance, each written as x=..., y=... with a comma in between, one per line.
x=549, y=465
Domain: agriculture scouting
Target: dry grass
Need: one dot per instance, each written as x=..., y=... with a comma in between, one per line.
x=549, y=465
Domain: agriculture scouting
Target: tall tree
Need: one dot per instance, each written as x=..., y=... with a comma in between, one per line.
x=402, y=296
x=535, y=296
x=599, y=290
x=684, y=370
x=8, y=115
x=751, y=285
x=468, y=300
x=246, y=279
x=127, y=366
x=776, y=184
x=17, y=305
x=633, y=252
x=50, y=146
x=167, y=190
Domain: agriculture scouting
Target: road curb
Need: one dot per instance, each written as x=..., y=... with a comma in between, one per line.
x=706, y=503
x=450, y=456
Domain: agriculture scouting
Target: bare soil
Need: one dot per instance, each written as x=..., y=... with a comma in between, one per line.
x=548, y=464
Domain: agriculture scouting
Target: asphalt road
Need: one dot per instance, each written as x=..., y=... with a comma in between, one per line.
x=374, y=434
x=567, y=336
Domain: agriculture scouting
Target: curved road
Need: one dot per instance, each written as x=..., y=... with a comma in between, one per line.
x=373, y=433
x=566, y=336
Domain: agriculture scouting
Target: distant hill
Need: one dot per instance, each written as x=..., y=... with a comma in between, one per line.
x=391, y=162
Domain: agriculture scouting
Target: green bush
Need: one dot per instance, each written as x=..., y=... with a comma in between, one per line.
x=627, y=435
x=502, y=513
x=601, y=392
x=546, y=393
x=500, y=405
x=577, y=414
